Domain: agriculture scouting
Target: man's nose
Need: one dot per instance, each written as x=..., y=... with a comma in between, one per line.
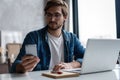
x=53, y=18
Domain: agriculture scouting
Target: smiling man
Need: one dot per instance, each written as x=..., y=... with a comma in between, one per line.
x=56, y=48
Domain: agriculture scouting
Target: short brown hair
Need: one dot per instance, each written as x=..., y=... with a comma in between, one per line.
x=61, y=3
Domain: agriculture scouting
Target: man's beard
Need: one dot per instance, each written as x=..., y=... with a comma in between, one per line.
x=54, y=28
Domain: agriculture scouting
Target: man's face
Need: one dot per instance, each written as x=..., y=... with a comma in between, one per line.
x=55, y=18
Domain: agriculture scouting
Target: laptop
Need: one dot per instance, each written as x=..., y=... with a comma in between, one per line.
x=100, y=55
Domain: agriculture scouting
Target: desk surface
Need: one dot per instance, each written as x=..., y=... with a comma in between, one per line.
x=36, y=75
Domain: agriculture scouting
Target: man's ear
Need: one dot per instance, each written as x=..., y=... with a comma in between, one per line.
x=65, y=17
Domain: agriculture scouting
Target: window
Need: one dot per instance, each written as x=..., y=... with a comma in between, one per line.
x=96, y=19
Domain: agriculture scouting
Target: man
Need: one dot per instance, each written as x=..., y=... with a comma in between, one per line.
x=56, y=48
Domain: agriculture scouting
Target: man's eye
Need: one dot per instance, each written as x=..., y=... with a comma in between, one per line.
x=57, y=15
x=49, y=15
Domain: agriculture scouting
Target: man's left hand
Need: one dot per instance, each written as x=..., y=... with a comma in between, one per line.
x=63, y=65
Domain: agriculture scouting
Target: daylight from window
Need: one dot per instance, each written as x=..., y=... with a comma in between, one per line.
x=96, y=19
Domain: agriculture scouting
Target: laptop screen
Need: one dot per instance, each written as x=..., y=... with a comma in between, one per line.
x=100, y=55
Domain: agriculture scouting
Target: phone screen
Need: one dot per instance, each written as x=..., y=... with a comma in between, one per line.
x=31, y=49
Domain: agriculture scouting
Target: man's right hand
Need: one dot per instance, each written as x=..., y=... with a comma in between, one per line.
x=28, y=64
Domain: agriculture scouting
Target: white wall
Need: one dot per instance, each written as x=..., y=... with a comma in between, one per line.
x=24, y=15
x=21, y=15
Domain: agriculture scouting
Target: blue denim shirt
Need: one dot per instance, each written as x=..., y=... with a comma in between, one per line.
x=72, y=48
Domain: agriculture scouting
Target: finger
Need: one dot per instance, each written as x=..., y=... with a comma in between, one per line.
x=30, y=66
x=29, y=61
x=26, y=62
x=27, y=57
x=55, y=67
x=58, y=67
x=61, y=67
x=67, y=66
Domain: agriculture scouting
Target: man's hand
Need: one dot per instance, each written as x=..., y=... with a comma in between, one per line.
x=28, y=64
x=63, y=65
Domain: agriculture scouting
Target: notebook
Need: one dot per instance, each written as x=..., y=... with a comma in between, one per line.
x=100, y=55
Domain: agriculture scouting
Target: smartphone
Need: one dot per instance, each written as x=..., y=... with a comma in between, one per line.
x=31, y=49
